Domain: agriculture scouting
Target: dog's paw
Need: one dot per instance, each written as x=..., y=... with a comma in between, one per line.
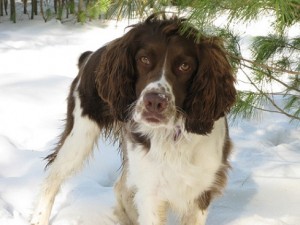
x=39, y=219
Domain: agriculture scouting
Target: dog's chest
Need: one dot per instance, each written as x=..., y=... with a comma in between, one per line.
x=175, y=172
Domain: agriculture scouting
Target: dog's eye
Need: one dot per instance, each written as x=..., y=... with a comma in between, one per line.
x=184, y=67
x=145, y=60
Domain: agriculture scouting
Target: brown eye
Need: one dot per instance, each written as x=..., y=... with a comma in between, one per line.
x=184, y=67
x=145, y=60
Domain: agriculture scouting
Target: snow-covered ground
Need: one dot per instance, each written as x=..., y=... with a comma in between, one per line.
x=37, y=64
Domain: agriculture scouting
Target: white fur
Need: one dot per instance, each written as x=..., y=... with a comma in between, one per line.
x=71, y=156
x=175, y=173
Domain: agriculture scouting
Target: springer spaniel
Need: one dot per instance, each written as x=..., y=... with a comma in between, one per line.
x=163, y=93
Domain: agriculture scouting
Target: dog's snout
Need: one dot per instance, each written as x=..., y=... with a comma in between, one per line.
x=155, y=102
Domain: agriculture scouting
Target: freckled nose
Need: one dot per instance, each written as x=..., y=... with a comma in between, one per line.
x=155, y=102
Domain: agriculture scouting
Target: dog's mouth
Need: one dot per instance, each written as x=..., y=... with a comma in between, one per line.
x=154, y=118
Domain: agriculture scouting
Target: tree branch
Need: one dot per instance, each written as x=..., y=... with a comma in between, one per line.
x=264, y=65
x=272, y=77
x=265, y=110
x=270, y=100
x=273, y=93
x=294, y=5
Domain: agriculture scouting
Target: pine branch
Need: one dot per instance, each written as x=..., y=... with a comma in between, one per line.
x=294, y=5
x=280, y=110
x=265, y=66
x=271, y=93
x=292, y=47
x=265, y=110
x=272, y=77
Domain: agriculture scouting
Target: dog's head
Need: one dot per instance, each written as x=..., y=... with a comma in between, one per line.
x=156, y=75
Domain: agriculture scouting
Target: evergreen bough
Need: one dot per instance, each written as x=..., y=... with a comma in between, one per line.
x=274, y=60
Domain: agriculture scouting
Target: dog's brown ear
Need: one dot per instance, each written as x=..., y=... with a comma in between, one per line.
x=83, y=57
x=212, y=91
x=115, y=76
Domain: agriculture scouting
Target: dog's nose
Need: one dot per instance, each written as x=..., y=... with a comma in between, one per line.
x=155, y=102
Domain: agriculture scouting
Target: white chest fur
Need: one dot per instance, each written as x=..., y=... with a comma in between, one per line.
x=176, y=172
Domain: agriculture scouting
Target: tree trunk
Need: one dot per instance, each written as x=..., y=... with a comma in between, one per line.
x=33, y=8
x=80, y=9
x=25, y=6
x=80, y=5
x=55, y=6
x=67, y=6
x=13, y=11
x=59, y=10
x=5, y=6
x=1, y=7
x=42, y=10
x=71, y=4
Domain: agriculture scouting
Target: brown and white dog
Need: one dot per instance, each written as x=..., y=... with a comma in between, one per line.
x=163, y=94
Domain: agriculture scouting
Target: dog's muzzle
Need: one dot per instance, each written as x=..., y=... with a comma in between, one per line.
x=155, y=105
x=154, y=108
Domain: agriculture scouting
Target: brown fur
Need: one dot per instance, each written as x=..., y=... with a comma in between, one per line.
x=210, y=93
x=68, y=126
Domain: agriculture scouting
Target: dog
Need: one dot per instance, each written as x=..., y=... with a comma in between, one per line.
x=163, y=92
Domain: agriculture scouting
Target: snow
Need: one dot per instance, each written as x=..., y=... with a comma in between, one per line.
x=37, y=64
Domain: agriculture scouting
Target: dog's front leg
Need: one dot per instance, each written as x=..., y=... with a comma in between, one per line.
x=194, y=216
x=151, y=210
x=76, y=145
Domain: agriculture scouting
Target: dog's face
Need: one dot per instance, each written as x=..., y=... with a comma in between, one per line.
x=156, y=75
x=164, y=69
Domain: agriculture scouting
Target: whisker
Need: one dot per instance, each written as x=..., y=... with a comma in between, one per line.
x=180, y=111
x=130, y=110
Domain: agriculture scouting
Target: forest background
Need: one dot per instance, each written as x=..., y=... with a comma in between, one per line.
x=270, y=63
